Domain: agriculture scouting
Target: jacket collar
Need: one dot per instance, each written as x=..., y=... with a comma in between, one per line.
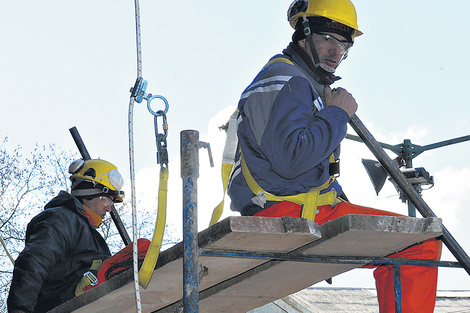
x=67, y=201
x=302, y=59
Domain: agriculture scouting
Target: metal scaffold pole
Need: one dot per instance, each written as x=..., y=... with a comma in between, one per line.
x=410, y=192
x=189, y=175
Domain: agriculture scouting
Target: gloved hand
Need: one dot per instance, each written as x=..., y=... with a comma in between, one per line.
x=340, y=97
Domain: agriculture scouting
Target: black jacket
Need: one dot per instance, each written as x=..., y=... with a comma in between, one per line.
x=61, y=245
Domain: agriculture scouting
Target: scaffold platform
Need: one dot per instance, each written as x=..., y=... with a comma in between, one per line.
x=247, y=262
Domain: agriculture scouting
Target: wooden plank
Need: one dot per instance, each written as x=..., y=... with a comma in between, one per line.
x=166, y=286
x=351, y=235
x=238, y=284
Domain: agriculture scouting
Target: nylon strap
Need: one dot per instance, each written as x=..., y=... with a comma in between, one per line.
x=85, y=281
x=308, y=33
x=310, y=200
x=219, y=209
x=228, y=158
x=148, y=266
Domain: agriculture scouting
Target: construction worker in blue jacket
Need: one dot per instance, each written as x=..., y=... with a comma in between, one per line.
x=290, y=127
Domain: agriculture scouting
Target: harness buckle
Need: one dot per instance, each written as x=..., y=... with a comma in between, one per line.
x=334, y=168
x=91, y=277
x=306, y=25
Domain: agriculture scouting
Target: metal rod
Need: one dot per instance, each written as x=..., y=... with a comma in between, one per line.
x=114, y=214
x=443, y=143
x=327, y=259
x=397, y=149
x=189, y=175
x=397, y=281
x=411, y=209
x=410, y=192
x=79, y=142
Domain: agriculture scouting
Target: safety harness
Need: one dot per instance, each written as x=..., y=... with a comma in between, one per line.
x=101, y=271
x=228, y=159
x=310, y=200
x=89, y=279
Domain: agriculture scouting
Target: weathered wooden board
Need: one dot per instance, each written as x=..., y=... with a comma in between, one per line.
x=239, y=285
x=351, y=235
x=166, y=286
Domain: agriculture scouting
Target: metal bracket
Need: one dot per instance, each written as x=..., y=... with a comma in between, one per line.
x=207, y=145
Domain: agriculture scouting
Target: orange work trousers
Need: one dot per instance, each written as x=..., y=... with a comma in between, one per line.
x=418, y=283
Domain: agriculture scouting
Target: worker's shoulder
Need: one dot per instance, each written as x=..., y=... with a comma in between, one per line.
x=281, y=64
x=57, y=214
x=282, y=68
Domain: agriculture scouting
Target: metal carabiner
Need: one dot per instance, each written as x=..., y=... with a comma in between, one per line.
x=162, y=152
x=162, y=114
x=150, y=98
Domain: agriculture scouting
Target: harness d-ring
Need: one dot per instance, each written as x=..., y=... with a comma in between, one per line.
x=159, y=112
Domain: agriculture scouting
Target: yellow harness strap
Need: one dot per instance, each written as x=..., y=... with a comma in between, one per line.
x=310, y=200
x=148, y=266
x=278, y=60
x=88, y=278
x=228, y=158
x=219, y=209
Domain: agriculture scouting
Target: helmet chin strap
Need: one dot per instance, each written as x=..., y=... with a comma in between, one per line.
x=322, y=68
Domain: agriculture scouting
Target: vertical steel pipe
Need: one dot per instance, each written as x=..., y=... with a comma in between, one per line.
x=189, y=175
x=408, y=155
x=397, y=281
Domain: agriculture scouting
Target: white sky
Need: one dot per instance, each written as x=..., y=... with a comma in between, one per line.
x=72, y=63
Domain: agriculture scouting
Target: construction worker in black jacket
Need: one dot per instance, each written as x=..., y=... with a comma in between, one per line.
x=62, y=242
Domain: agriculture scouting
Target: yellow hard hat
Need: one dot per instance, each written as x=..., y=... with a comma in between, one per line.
x=96, y=177
x=341, y=11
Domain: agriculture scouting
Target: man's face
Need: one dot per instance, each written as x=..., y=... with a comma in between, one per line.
x=100, y=205
x=331, y=48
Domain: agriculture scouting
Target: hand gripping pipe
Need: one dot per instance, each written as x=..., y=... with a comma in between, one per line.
x=410, y=192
